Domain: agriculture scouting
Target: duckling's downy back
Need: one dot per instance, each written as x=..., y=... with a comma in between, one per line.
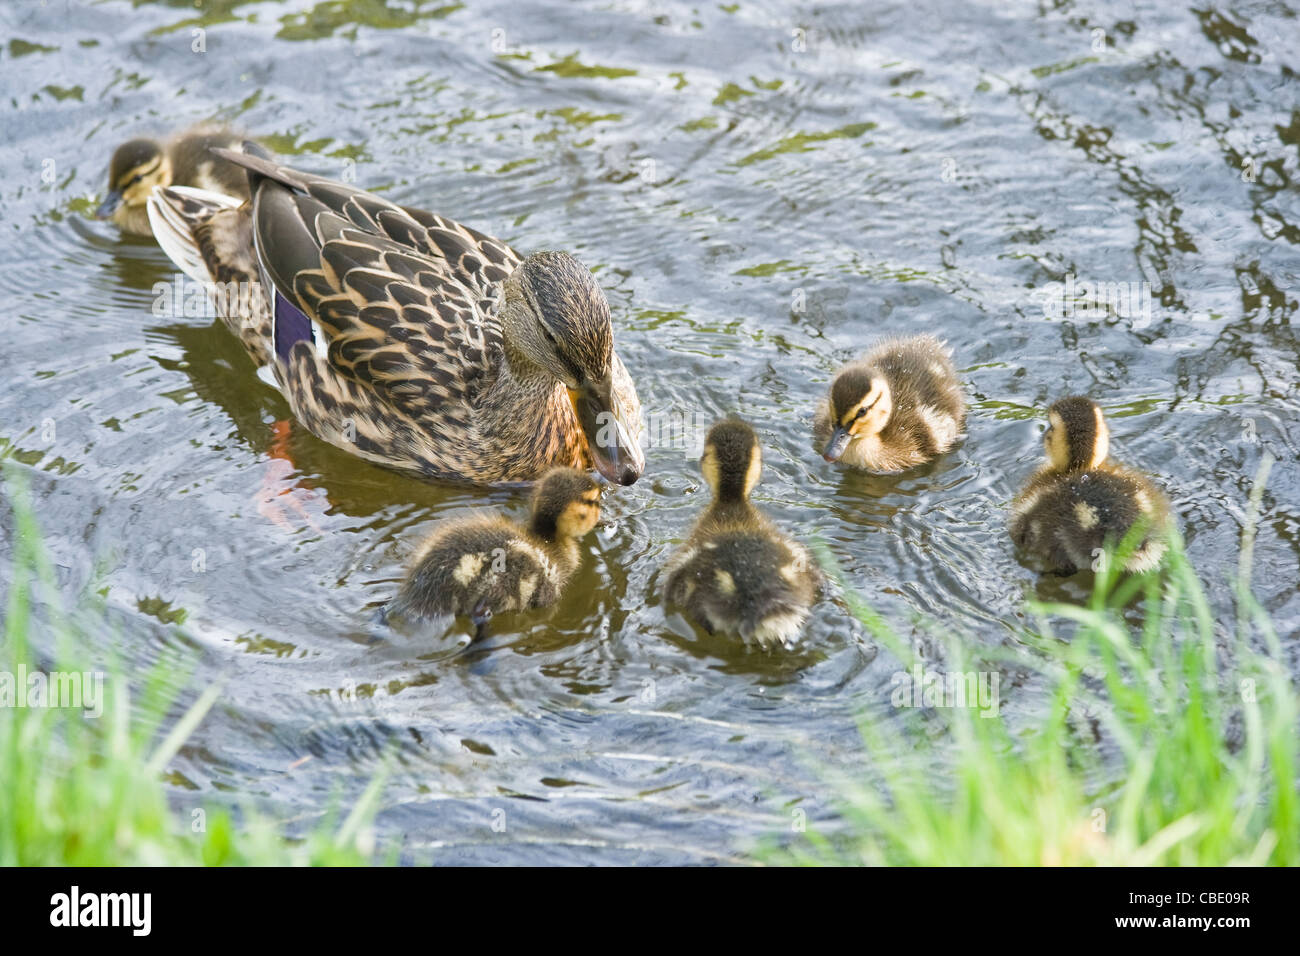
x=752, y=583
x=476, y=567
x=1070, y=521
x=738, y=574
x=1081, y=503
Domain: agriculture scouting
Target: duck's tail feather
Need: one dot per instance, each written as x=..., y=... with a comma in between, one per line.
x=259, y=164
x=174, y=212
x=253, y=148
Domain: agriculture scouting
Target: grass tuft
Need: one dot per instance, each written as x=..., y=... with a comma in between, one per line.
x=87, y=791
x=1165, y=740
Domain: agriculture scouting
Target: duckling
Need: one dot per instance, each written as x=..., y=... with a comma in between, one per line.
x=485, y=565
x=139, y=165
x=737, y=574
x=898, y=406
x=1079, y=502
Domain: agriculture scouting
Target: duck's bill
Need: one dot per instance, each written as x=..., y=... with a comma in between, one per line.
x=834, y=449
x=616, y=454
x=109, y=205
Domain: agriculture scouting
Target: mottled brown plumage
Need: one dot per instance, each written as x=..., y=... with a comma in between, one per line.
x=736, y=573
x=139, y=165
x=1081, y=503
x=898, y=406
x=484, y=566
x=431, y=347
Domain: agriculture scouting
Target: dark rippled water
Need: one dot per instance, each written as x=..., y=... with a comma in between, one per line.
x=762, y=188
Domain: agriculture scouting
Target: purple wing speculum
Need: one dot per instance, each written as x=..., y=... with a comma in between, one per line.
x=291, y=326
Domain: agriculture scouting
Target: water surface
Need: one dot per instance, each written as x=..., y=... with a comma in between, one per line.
x=762, y=188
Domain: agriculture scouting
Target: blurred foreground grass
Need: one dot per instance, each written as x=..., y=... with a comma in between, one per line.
x=89, y=791
x=1170, y=739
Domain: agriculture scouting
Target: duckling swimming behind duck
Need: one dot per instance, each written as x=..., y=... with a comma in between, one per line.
x=1080, y=503
x=898, y=406
x=139, y=165
x=737, y=574
x=486, y=565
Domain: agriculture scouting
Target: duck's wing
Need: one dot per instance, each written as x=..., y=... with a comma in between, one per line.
x=472, y=258
x=391, y=318
x=474, y=261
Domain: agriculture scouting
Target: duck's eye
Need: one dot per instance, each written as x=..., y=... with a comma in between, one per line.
x=135, y=179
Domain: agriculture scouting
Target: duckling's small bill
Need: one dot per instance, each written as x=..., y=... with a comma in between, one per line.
x=839, y=441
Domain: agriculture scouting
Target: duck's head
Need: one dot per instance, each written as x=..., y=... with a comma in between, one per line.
x=732, y=460
x=1076, y=437
x=566, y=505
x=860, y=406
x=555, y=316
x=136, y=168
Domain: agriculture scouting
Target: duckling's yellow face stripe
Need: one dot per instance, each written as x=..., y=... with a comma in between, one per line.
x=849, y=418
x=581, y=515
x=1056, y=442
x=138, y=182
x=709, y=468
x=712, y=471
x=754, y=470
x=1057, y=439
x=870, y=414
x=1101, y=445
x=135, y=173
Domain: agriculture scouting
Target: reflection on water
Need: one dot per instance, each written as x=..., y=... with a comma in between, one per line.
x=762, y=188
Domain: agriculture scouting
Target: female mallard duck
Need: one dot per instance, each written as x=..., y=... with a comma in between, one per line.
x=486, y=565
x=899, y=405
x=139, y=165
x=407, y=338
x=737, y=574
x=1079, y=503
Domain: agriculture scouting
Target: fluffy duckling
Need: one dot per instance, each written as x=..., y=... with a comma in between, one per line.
x=1079, y=502
x=898, y=406
x=486, y=565
x=737, y=574
x=139, y=165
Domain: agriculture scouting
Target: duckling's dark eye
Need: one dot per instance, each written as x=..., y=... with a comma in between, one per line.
x=135, y=179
